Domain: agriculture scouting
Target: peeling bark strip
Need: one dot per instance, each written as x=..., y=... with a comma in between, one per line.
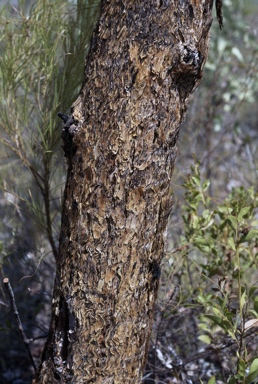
x=219, y=13
x=145, y=60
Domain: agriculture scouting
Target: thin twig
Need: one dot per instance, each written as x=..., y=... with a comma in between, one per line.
x=26, y=341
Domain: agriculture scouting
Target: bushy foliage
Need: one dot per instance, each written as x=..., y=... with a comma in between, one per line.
x=214, y=268
x=41, y=71
x=43, y=48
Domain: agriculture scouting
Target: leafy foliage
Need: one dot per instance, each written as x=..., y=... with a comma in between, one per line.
x=43, y=47
x=216, y=268
x=227, y=237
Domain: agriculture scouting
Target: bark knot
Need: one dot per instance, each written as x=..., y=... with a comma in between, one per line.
x=186, y=59
x=69, y=130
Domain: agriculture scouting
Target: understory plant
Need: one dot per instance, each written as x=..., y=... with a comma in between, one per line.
x=211, y=323
x=222, y=237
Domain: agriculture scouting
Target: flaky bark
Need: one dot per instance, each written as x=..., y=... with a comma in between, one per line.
x=145, y=60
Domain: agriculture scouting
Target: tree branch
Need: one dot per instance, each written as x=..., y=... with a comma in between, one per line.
x=26, y=341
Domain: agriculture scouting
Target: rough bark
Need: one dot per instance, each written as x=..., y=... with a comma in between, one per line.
x=145, y=60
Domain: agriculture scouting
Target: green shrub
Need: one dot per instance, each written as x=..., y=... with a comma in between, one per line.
x=217, y=261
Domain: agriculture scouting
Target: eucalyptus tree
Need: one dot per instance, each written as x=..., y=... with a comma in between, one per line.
x=145, y=60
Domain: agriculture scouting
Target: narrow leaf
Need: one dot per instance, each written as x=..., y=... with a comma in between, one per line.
x=231, y=243
x=251, y=323
x=256, y=304
x=236, y=52
x=249, y=236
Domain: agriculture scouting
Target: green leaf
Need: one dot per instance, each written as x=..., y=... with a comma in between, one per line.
x=236, y=52
x=233, y=221
x=252, y=291
x=251, y=377
x=249, y=236
x=203, y=299
x=253, y=313
x=253, y=373
x=224, y=324
x=243, y=299
x=206, y=185
x=205, y=339
x=217, y=320
x=254, y=365
x=203, y=244
x=243, y=212
x=231, y=334
x=218, y=312
x=212, y=380
x=242, y=365
x=195, y=221
x=207, y=214
x=231, y=243
x=256, y=304
x=196, y=180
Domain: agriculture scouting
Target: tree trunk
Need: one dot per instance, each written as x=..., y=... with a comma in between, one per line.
x=146, y=58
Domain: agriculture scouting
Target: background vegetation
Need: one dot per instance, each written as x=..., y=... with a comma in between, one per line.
x=207, y=312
